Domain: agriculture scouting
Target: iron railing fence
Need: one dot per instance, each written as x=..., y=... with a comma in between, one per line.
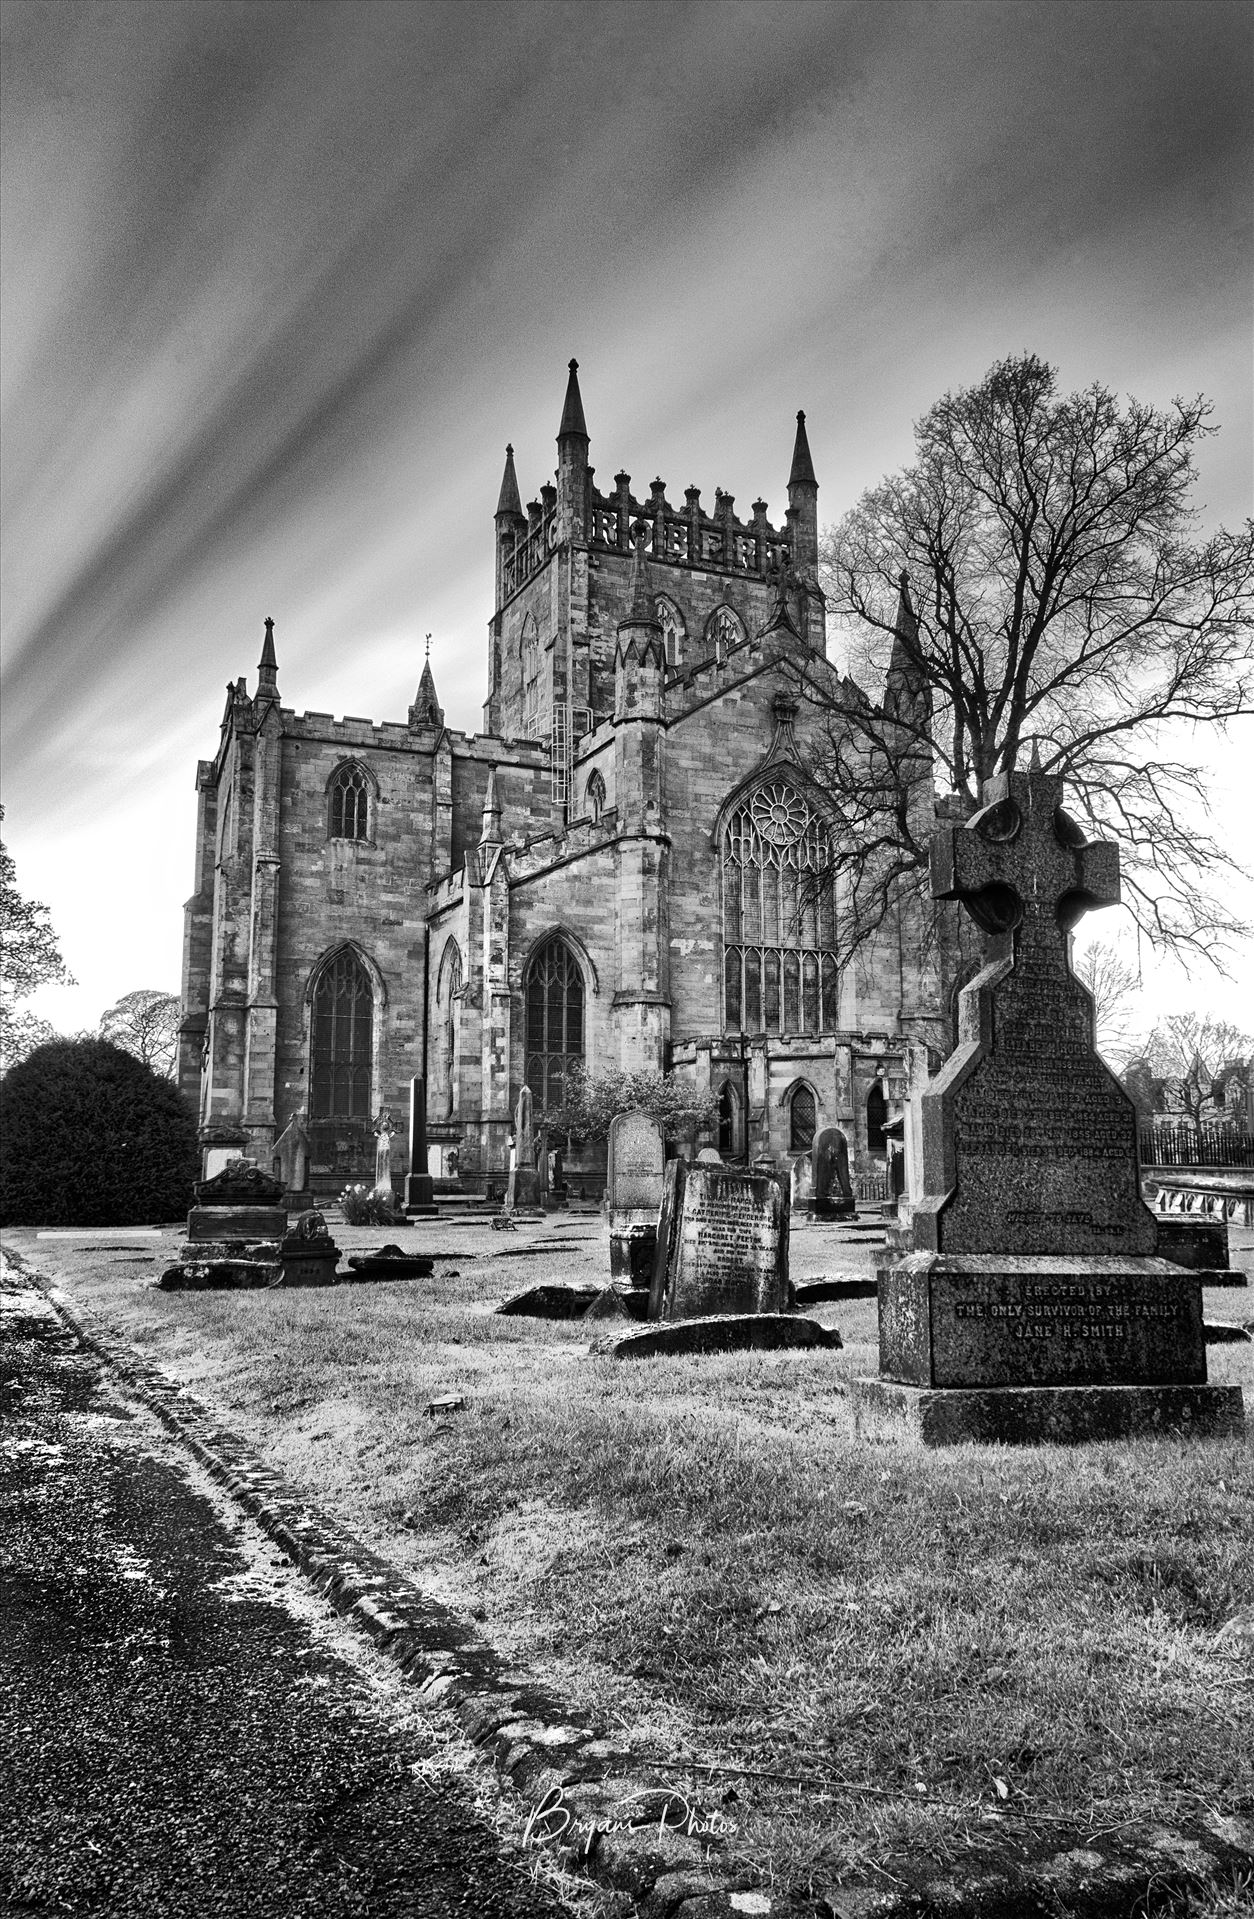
x=1204, y=1145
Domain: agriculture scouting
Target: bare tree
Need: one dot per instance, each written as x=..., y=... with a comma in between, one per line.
x=1114, y=985
x=146, y=1023
x=1032, y=580
x=1200, y=1062
x=30, y=956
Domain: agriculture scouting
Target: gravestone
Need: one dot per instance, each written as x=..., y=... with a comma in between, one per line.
x=291, y=1155
x=522, y=1191
x=1032, y=1306
x=241, y=1202
x=833, y=1191
x=801, y=1184
x=634, y=1169
x=384, y=1129
x=308, y=1254
x=722, y=1244
x=419, y=1185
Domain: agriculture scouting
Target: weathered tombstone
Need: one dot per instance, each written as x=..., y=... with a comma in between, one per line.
x=419, y=1185
x=1032, y=1307
x=722, y=1244
x=634, y=1166
x=384, y=1128
x=522, y=1193
x=240, y=1203
x=291, y=1154
x=833, y=1193
x=801, y=1184
x=709, y=1156
x=308, y=1254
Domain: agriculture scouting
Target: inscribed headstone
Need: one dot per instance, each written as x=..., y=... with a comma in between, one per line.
x=635, y=1162
x=722, y=1244
x=833, y=1191
x=1029, y=1140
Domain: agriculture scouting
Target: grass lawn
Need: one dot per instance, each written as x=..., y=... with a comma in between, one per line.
x=918, y=1647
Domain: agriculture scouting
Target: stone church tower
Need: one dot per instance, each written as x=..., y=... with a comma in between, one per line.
x=625, y=868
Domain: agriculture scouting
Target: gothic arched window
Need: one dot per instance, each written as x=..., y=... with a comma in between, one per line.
x=348, y=803
x=876, y=1120
x=594, y=796
x=723, y=630
x=554, y=995
x=779, y=917
x=728, y=1118
x=801, y=1120
x=448, y=1000
x=341, y=1040
x=530, y=653
x=674, y=632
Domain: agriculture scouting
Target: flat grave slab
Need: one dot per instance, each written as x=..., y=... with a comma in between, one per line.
x=551, y=1301
x=812, y=1292
x=390, y=1262
x=721, y=1333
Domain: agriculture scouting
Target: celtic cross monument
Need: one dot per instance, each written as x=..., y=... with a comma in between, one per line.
x=1032, y=1307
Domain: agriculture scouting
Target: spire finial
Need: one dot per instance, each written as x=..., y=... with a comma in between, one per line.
x=1034, y=764
x=267, y=670
x=802, y=472
x=509, y=502
x=426, y=709
x=573, y=426
x=490, y=833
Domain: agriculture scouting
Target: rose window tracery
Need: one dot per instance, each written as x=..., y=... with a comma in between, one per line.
x=780, y=814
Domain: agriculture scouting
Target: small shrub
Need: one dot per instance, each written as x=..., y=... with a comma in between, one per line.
x=93, y=1137
x=367, y=1206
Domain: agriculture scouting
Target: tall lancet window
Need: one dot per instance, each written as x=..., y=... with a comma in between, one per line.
x=554, y=995
x=348, y=803
x=532, y=723
x=779, y=917
x=449, y=1001
x=341, y=1041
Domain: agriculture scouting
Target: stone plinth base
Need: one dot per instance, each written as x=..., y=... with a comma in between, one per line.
x=959, y=1320
x=309, y=1262
x=522, y=1190
x=222, y=1275
x=236, y=1222
x=633, y=1245
x=420, y=1196
x=1189, y=1241
x=1057, y=1415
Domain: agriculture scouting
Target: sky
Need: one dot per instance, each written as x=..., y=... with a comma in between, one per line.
x=281, y=280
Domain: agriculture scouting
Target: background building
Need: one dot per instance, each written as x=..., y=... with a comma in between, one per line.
x=628, y=867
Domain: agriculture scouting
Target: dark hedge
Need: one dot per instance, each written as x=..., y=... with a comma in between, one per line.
x=90, y=1136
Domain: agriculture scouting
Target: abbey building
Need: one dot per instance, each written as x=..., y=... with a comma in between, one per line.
x=625, y=868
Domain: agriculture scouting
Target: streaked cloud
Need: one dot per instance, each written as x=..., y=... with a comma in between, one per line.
x=281, y=279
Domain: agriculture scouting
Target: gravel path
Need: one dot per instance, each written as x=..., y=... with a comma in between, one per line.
x=184, y=1728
